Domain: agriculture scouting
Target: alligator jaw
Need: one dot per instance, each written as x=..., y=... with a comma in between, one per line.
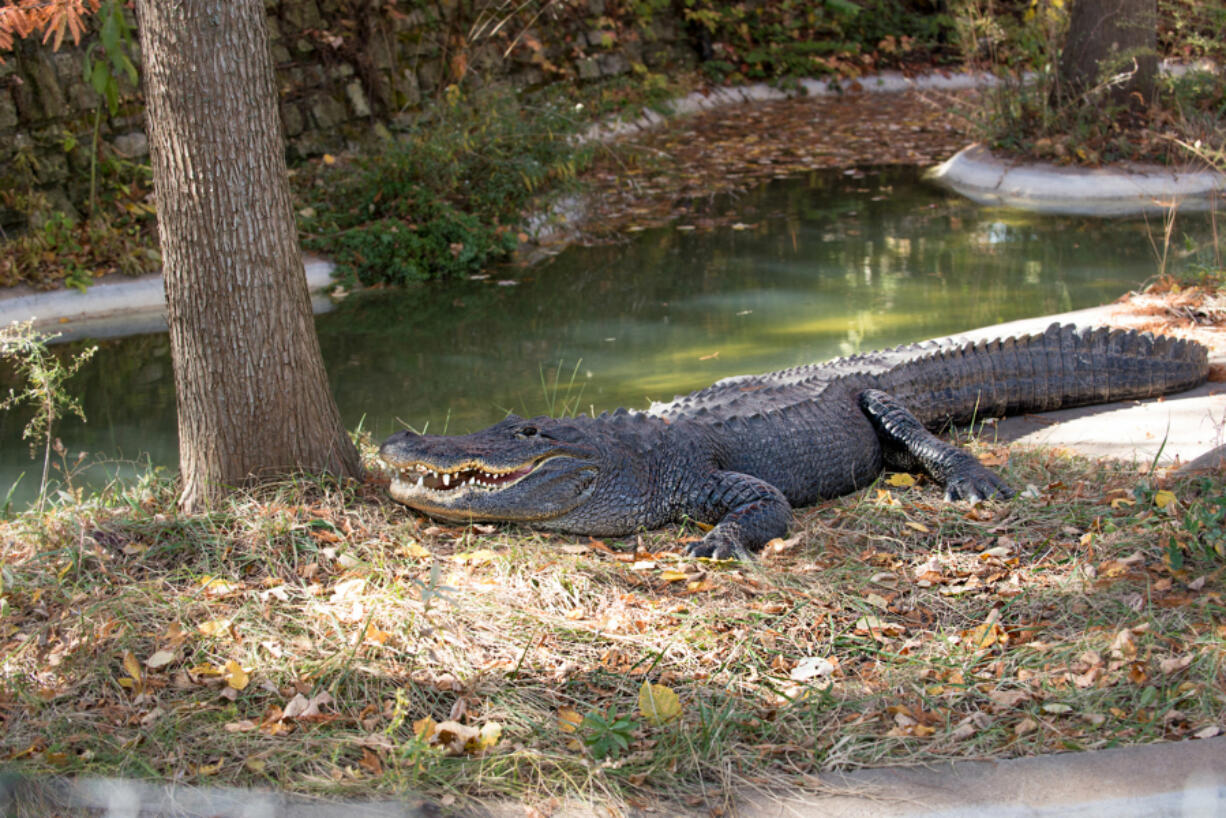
x=425, y=480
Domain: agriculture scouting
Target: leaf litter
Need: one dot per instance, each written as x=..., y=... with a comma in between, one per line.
x=891, y=628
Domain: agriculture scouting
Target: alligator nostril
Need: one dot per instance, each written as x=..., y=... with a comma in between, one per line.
x=398, y=437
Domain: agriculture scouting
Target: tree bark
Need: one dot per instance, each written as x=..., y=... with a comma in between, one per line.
x=253, y=397
x=1110, y=38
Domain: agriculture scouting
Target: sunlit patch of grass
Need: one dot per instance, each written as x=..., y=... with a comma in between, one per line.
x=1057, y=621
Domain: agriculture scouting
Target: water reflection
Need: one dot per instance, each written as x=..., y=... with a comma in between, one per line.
x=822, y=266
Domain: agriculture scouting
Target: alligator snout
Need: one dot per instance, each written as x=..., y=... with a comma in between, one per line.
x=401, y=437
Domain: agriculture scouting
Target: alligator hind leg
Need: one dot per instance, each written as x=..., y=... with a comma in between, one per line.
x=747, y=512
x=906, y=444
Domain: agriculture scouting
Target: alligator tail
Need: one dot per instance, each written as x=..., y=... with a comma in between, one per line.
x=1056, y=369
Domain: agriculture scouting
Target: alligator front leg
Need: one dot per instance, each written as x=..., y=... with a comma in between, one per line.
x=907, y=444
x=747, y=512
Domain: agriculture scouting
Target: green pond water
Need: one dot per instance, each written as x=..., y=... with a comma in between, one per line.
x=815, y=267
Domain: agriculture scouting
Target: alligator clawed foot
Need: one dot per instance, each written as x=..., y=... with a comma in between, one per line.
x=718, y=548
x=976, y=484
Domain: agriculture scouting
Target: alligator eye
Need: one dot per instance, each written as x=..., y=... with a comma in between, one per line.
x=527, y=431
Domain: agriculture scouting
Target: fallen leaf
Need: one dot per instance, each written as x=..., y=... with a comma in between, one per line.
x=811, y=667
x=878, y=628
x=658, y=703
x=235, y=676
x=301, y=707
x=424, y=728
x=982, y=637
x=416, y=550
x=217, y=587
x=1006, y=699
x=569, y=719
x=349, y=590
x=901, y=479
x=475, y=558
x=160, y=659
x=487, y=738
x=214, y=627
x=1176, y=664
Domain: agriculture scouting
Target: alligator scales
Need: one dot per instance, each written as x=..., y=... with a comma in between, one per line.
x=741, y=454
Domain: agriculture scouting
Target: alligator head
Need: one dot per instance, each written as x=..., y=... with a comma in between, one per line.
x=529, y=471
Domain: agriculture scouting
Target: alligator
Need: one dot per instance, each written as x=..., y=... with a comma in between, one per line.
x=741, y=454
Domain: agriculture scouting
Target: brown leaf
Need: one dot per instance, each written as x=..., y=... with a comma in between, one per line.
x=1176, y=663
x=1008, y=699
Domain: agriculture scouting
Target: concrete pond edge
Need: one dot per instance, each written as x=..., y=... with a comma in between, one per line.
x=117, y=305
x=1118, y=190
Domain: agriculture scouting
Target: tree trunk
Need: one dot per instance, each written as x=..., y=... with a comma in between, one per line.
x=253, y=397
x=1112, y=38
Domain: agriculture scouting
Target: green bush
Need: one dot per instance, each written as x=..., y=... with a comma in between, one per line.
x=446, y=198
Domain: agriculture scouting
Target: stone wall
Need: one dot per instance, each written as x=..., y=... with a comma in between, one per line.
x=346, y=69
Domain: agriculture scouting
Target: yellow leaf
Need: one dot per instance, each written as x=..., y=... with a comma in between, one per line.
x=131, y=665
x=982, y=637
x=235, y=676
x=329, y=159
x=216, y=586
x=658, y=703
x=490, y=734
x=214, y=627
x=901, y=479
x=920, y=527
x=475, y=558
x=209, y=769
x=416, y=550
x=205, y=670
x=424, y=728
x=1164, y=498
x=672, y=576
x=568, y=720
x=1119, y=502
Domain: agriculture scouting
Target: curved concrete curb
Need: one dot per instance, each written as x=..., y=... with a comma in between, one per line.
x=121, y=306
x=1121, y=190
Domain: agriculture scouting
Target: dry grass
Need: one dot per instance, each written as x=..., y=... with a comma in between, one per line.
x=891, y=628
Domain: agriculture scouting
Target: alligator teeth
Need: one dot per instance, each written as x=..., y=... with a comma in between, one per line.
x=425, y=478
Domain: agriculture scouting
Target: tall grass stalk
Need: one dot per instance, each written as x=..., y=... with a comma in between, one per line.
x=44, y=374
